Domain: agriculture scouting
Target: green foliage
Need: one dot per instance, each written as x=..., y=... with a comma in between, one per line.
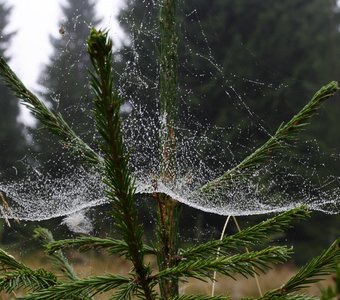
x=192, y=297
x=113, y=246
x=248, y=237
x=17, y=275
x=292, y=297
x=80, y=289
x=52, y=120
x=333, y=291
x=117, y=175
x=57, y=257
x=284, y=134
x=246, y=264
x=312, y=272
x=174, y=264
x=32, y=280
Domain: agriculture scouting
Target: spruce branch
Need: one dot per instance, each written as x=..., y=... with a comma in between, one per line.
x=17, y=275
x=113, y=246
x=285, y=134
x=288, y=297
x=200, y=297
x=58, y=258
x=297, y=297
x=168, y=87
x=120, y=184
x=9, y=263
x=87, y=243
x=322, y=265
x=53, y=121
x=125, y=291
x=28, y=279
x=247, y=237
x=246, y=264
x=80, y=289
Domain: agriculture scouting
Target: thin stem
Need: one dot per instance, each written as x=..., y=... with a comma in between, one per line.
x=168, y=88
x=168, y=217
x=247, y=250
x=168, y=209
x=218, y=254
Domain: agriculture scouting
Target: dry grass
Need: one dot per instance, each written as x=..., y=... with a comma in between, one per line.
x=93, y=263
x=243, y=287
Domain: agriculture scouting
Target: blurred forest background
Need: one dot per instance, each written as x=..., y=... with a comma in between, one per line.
x=273, y=55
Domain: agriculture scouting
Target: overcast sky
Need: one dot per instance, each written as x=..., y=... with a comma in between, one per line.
x=34, y=21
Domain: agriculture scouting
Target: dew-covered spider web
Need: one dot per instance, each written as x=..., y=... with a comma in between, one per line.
x=205, y=151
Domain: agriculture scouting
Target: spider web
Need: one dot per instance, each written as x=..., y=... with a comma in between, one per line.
x=203, y=152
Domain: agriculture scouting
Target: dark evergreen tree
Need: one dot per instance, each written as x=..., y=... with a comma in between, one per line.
x=271, y=55
x=67, y=90
x=12, y=140
x=241, y=59
x=65, y=79
x=138, y=58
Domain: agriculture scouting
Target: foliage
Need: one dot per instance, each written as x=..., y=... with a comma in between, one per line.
x=174, y=264
x=332, y=292
x=284, y=134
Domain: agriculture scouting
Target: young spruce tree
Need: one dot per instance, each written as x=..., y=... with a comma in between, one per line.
x=174, y=264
